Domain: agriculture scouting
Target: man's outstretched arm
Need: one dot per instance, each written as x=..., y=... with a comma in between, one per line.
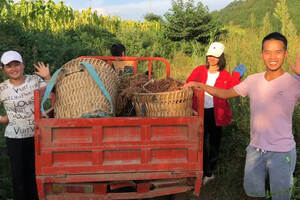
x=217, y=92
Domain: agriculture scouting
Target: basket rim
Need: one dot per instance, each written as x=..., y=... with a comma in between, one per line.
x=157, y=93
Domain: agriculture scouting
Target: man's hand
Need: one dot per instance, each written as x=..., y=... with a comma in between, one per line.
x=241, y=69
x=42, y=70
x=191, y=84
x=217, y=92
x=296, y=67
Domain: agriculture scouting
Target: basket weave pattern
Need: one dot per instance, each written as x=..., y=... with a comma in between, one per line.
x=77, y=93
x=164, y=104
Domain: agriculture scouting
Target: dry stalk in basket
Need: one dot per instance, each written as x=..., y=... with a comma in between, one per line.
x=133, y=84
x=164, y=85
x=129, y=84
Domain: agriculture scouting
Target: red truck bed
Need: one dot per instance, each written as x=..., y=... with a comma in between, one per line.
x=118, y=158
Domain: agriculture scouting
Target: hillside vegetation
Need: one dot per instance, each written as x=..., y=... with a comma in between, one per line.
x=239, y=13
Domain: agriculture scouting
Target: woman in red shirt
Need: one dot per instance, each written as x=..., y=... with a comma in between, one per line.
x=217, y=112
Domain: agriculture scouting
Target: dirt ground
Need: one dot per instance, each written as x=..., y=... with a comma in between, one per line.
x=183, y=196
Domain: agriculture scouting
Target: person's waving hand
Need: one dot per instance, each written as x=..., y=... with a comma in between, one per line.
x=296, y=67
x=42, y=70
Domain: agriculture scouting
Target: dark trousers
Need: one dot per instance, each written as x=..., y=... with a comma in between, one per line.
x=21, y=155
x=212, y=141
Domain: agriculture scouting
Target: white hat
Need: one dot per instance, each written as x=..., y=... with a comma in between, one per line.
x=215, y=49
x=10, y=56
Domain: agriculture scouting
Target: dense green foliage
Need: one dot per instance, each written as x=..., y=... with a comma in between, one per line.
x=153, y=17
x=239, y=12
x=187, y=21
x=56, y=49
x=55, y=34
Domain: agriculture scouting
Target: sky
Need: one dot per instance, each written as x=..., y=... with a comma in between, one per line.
x=135, y=9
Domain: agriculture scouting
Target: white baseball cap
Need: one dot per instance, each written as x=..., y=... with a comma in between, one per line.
x=215, y=49
x=10, y=56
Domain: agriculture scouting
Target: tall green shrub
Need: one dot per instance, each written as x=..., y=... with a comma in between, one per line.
x=187, y=20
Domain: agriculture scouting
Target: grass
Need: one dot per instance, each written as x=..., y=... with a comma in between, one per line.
x=5, y=182
x=229, y=174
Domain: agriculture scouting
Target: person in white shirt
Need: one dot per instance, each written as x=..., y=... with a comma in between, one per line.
x=217, y=112
x=16, y=95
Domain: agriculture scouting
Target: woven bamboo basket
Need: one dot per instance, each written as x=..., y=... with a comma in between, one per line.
x=164, y=104
x=77, y=94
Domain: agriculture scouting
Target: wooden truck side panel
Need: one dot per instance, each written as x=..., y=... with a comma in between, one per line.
x=117, y=144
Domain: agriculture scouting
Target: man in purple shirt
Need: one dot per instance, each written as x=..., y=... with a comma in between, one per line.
x=273, y=97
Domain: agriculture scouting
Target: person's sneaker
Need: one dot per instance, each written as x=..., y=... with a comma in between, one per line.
x=206, y=179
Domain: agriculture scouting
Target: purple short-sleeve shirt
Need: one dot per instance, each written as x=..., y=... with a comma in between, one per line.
x=271, y=105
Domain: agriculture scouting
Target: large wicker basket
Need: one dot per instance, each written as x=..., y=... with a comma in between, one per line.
x=78, y=95
x=164, y=104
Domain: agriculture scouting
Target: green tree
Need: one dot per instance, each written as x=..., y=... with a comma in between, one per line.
x=291, y=31
x=267, y=27
x=189, y=21
x=252, y=20
x=153, y=17
x=5, y=3
x=282, y=14
x=287, y=27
